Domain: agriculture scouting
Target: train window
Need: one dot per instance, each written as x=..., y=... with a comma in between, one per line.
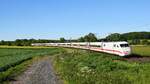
x=82, y=45
x=114, y=45
x=124, y=45
x=95, y=45
x=75, y=45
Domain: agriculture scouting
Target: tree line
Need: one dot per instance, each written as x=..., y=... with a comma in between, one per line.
x=25, y=42
x=132, y=37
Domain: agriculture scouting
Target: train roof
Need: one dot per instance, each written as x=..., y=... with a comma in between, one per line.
x=95, y=43
x=117, y=42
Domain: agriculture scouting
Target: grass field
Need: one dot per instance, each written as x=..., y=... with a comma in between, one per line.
x=11, y=57
x=77, y=66
x=8, y=56
x=141, y=50
x=84, y=67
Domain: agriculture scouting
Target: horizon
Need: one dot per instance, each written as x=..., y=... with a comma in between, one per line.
x=70, y=38
x=50, y=19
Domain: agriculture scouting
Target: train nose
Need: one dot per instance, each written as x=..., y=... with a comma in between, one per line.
x=127, y=51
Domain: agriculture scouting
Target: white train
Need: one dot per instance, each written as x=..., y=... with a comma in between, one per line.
x=118, y=48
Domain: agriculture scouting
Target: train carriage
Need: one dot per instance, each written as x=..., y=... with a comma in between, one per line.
x=121, y=48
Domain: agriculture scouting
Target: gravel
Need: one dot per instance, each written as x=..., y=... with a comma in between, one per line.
x=40, y=72
x=138, y=58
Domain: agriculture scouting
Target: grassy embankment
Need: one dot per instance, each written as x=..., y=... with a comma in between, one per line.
x=84, y=67
x=14, y=60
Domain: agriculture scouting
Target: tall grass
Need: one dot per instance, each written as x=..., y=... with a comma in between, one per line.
x=84, y=67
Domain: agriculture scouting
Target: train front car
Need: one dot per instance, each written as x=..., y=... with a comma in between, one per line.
x=126, y=49
x=118, y=48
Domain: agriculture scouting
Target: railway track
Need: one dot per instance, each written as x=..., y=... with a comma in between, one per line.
x=137, y=58
x=130, y=58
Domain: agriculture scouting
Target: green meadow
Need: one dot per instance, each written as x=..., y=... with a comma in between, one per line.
x=75, y=66
x=142, y=50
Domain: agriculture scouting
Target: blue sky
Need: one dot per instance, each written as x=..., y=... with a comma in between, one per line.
x=52, y=19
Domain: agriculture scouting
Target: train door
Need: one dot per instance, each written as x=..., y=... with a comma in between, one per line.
x=117, y=49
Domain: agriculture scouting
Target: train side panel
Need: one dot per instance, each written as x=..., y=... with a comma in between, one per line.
x=118, y=48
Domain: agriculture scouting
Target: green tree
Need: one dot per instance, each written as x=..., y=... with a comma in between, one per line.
x=145, y=42
x=18, y=42
x=114, y=37
x=90, y=38
x=2, y=42
x=135, y=41
x=62, y=40
x=81, y=39
x=137, y=35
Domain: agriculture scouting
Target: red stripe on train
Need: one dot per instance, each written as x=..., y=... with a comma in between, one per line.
x=110, y=50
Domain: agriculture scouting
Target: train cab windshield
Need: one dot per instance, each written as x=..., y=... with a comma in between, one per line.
x=124, y=45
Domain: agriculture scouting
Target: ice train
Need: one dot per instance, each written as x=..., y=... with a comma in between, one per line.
x=121, y=48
